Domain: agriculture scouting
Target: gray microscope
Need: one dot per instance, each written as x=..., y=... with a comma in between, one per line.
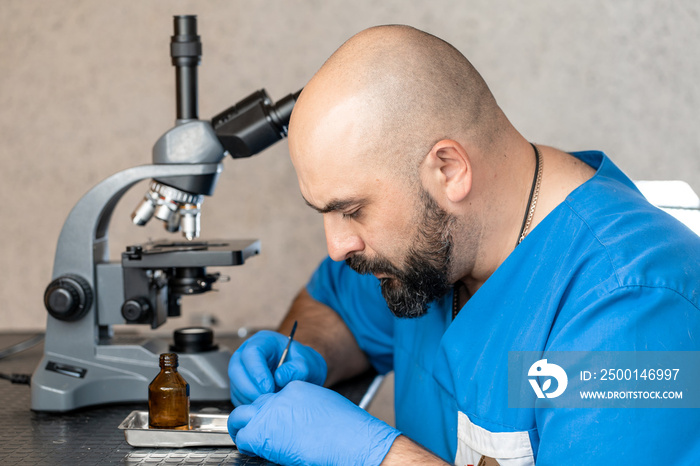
x=84, y=364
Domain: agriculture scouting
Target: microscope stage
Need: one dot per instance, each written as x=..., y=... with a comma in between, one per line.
x=165, y=254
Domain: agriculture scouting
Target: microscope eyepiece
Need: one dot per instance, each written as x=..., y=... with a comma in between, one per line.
x=254, y=123
x=186, y=54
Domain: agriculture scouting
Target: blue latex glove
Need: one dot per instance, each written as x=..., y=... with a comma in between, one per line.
x=251, y=367
x=308, y=424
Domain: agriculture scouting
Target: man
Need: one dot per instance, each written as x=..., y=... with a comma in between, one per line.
x=480, y=244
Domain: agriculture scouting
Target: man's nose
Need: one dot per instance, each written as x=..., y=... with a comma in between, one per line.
x=341, y=239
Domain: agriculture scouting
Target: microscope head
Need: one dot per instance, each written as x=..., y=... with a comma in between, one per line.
x=177, y=201
x=244, y=129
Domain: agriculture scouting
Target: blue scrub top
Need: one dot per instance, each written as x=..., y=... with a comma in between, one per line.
x=604, y=271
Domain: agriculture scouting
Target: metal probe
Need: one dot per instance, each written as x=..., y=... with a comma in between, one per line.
x=289, y=343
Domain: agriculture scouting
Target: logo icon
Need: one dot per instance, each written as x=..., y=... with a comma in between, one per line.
x=542, y=368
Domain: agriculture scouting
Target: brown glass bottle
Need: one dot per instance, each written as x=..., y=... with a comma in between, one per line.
x=169, y=397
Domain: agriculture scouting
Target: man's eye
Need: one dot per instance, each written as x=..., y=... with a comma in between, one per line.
x=351, y=215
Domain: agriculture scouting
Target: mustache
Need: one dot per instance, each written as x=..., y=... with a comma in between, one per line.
x=365, y=266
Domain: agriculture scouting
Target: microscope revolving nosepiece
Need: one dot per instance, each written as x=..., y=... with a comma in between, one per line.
x=179, y=210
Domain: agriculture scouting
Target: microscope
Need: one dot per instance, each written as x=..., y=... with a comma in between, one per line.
x=83, y=363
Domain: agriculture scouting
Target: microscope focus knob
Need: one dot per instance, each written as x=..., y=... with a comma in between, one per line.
x=136, y=310
x=68, y=297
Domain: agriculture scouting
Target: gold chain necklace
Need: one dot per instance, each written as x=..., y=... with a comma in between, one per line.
x=534, y=195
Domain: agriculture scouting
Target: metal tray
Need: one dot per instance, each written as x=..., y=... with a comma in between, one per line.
x=205, y=430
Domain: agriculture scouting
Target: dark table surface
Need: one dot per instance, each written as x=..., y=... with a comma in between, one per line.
x=91, y=435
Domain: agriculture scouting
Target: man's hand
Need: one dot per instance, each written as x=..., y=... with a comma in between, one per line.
x=308, y=424
x=251, y=367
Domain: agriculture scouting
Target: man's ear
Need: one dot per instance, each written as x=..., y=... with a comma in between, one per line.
x=447, y=167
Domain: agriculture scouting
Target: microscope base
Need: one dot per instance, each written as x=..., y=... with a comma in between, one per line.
x=121, y=373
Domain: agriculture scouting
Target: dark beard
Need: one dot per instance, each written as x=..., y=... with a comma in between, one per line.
x=424, y=278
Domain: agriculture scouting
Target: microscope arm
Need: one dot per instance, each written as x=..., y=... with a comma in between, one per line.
x=83, y=241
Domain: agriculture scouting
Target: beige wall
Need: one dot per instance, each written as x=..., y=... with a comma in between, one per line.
x=86, y=87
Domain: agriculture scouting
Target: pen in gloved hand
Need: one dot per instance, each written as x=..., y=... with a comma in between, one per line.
x=289, y=342
x=255, y=368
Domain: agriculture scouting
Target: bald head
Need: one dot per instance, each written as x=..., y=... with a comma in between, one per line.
x=391, y=92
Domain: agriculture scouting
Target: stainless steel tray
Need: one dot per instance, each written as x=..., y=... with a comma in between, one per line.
x=205, y=430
